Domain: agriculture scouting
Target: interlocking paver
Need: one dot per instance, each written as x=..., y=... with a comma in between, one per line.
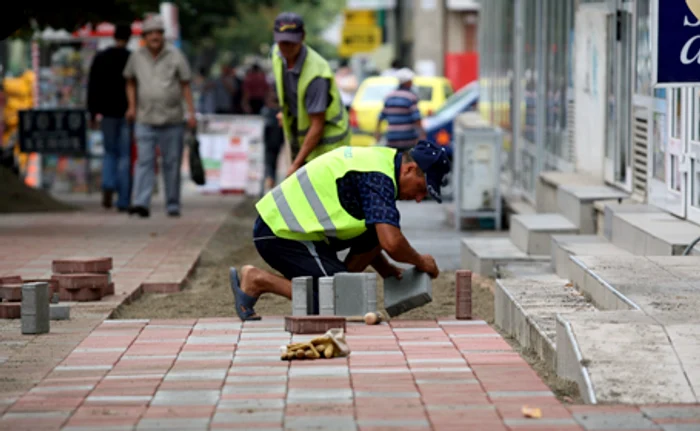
x=399, y=377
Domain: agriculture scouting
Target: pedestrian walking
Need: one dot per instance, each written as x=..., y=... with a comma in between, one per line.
x=273, y=138
x=343, y=199
x=402, y=114
x=255, y=90
x=224, y=91
x=107, y=105
x=314, y=118
x=347, y=83
x=158, y=78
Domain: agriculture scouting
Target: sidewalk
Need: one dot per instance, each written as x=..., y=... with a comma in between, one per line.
x=154, y=254
x=218, y=374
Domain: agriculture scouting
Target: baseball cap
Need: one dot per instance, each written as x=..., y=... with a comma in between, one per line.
x=153, y=23
x=435, y=163
x=289, y=27
x=404, y=75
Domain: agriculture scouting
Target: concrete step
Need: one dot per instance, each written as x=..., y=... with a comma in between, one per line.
x=564, y=246
x=548, y=183
x=532, y=233
x=646, y=231
x=576, y=203
x=629, y=357
x=527, y=309
x=484, y=255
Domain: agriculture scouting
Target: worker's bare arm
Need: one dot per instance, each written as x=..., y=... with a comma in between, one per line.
x=392, y=240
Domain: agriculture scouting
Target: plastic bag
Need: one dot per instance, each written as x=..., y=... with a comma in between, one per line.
x=196, y=166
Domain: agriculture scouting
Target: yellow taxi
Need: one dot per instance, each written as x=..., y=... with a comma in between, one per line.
x=432, y=92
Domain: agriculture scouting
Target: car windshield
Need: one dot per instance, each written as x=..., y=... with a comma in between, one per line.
x=378, y=92
x=456, y=100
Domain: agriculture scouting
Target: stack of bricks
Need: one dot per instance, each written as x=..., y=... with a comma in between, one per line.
x=83, y=279
x=11, y=296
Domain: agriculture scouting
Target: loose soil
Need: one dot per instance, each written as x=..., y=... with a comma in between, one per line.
x=17, y=197
x=207, y=293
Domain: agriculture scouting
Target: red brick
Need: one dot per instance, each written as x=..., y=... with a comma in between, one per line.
x=79, y=281
x=10, y=310
x=156, y=287
x=100, y=265
x=81, y=295
x=312, y=324
x=11, y=292
x=10, y=279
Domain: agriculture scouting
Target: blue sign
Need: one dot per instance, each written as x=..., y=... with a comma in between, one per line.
x=677, y=42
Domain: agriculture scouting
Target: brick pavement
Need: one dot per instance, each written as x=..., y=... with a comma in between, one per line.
x=154, y=254
x=219, y=374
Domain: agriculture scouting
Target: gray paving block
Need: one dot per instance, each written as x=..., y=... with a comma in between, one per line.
x=186, y=398
x=35, y=308
x=616, y=421
x=326, y=296
x=672, y=412
x=59, y=311
x=171, y=424
x=355, y=293
x=302, y=296
x=414, y=290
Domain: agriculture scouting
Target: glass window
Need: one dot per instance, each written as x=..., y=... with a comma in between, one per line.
x=695, y=184
x=530, y=70
x=643, y=84
x=556, y=74
x=695, y=115
x=448, y=91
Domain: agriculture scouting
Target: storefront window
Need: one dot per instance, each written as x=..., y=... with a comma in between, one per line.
x=643, y=84
x=660, y=138
x=530, y=70
x=556, y=74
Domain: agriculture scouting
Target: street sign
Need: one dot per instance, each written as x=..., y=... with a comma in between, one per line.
x=359, y=39
x=360, y=17
x=53, y=131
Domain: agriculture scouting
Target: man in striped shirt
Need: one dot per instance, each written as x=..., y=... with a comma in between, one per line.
x=402, y=114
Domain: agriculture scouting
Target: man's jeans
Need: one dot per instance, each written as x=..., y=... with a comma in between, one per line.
x=169, y=139
x=116, y=166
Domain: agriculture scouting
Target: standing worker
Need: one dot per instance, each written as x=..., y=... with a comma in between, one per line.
x=402, y=114
x=344, y=199
x=314, y=118
x=107, y=104
x=162, y=75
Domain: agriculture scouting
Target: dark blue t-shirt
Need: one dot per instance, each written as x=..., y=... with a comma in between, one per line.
x=371, y=196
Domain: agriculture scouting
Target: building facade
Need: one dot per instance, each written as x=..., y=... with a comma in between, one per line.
x=580, y=74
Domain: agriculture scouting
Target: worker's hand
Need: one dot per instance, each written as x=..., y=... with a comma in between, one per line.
x=293, y=168
x=131, y=113
x=279, y=118
x=393, y=271
x=192, y=122
x=428, y=265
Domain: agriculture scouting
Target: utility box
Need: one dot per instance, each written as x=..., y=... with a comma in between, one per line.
x=476, y=169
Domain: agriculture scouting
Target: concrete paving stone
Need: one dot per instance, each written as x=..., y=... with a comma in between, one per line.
x=680, y=427
x=299, y=395
x=393, y=423
x=118, y=399
x=101, y=428
x=213, y=340
x=186, y=398
x=257, y=389
x=616, y=421
x=669, y=412
x=247, y=404
x=378, y=394
x=196, y=375
x=134, y=376
x=319, y=371
x=83, y=368
x=536, y=423
x=199, y=356
x=173, y=424
x=316, y=422
x=36, y=415
x=382, y=370
x=217, y=326
x=268, y=370
x=397, y=353
x=462, y=322
x=436, y=361
x=255, y=379
x=518, y=394
x=43, y=389
x=242, y=359
x=100, y=350
x=249, y=416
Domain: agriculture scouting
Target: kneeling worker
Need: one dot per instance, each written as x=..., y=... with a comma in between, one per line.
x=344, y=199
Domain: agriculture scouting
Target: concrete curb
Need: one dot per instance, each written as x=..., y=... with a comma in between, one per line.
x=570, y=362
x=602, y=294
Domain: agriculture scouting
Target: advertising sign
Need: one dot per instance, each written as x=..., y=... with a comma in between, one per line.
x=53, y=131
x=676, y=43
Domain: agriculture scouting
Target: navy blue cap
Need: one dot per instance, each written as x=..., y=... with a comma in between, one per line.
x=289, y=27
x=434, y=161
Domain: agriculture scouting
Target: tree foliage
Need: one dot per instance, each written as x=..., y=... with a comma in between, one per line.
x=198, y=18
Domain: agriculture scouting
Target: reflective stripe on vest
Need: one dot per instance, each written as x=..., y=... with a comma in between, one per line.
x=336, y=131
x=306, y=205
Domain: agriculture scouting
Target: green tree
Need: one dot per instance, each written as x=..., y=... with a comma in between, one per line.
x=251, y=29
